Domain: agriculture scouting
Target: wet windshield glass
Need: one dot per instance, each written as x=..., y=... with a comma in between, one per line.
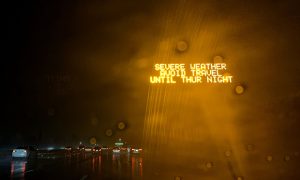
x=151, y=89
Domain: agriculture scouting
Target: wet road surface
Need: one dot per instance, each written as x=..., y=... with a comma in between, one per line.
x=61, y=165
x=113, y=166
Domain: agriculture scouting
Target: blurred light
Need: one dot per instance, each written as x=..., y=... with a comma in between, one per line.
x=287, y=158
x=239, y=89
x=18, y=169
x=181, y=46
x=50, y=148
x=119, y=143
x=178, y=178
x=269, y=158
x=88, y=149
x=68, y=148
x=239, y=178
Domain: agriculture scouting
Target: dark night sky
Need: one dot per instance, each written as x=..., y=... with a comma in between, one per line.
x=68, y=63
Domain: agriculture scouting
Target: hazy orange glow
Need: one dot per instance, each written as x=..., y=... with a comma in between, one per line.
x=186, y=121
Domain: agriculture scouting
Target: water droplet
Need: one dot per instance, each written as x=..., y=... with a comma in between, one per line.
x=209, y=164
x=108, y=132
x=181, y=46
x=94, y=121
x=239, y=178
x=121, y=125
x=269, y=158
x=239, y=89
x=250, y=147
x=178, y=178
x=228, y=153
x=287, y=158
x=218, y=59
x=93, y=140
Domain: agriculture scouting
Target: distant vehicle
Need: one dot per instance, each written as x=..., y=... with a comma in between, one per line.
x=68, y=148
x=123, y=149
x=81, y=148
x=24, y=152
x=96, y=149
x=105, y=148
x=136, y=150
x=116, y=150
x=88, y=149
x=128, y=149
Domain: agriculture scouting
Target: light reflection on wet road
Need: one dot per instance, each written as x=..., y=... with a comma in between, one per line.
x=125, y=166
x=18, y=169
x=106, y=165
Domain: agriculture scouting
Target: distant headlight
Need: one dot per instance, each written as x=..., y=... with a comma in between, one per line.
x=24, y=151
x=14, y=150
